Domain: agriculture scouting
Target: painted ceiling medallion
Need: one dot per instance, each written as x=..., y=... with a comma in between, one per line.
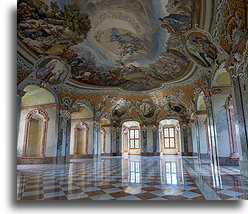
x=52, y=70
x=132, y=45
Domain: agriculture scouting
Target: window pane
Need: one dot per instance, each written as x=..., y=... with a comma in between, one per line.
x=136, y=133
x=132, y=177
x=173, y=167
x=168, y=178
x=174, y=178
x=172, y=143
x=166, y=134
x=137, y=177
x=171, y=132
x=137, y=167
x=132, y=166
x=136, y=144
x=167, y=167
x=166, y=143
x=131, y=134
x=131, y=144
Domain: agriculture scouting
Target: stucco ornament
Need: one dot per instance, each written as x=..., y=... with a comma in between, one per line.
x=147, y=109
x=65, y=116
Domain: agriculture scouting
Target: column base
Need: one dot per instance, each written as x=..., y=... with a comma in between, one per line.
x=243, y=168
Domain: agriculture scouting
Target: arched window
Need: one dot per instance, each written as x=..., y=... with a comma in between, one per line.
x=231, y=128
x=81, y=139
x=35, y=134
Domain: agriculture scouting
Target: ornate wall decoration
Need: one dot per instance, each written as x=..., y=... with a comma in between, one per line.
x=201, y=49
x=230, y=23
x=120, y=107
x=52, y=70
x=147, y=109
x=24, y=65
x=65, y=116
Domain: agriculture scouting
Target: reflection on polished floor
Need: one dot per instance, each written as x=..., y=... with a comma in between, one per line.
x=130, y=178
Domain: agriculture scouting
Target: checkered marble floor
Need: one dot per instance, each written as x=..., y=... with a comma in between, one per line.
x=129, y=178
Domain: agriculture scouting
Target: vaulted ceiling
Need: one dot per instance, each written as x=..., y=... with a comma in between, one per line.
x=133, y=45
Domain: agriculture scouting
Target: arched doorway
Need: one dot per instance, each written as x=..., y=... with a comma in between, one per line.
x=131, y=144
x=170, y=143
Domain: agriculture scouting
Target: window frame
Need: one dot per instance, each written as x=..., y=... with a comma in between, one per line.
x=138, y=138
x=169, y=137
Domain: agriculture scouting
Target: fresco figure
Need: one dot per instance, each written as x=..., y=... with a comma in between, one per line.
x=176, y=23
x=202, y=50
x=128, y=43
x=52, y=71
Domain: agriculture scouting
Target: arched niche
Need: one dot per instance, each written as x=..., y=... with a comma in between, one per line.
x=169, y=137
x=35, y=134
x=105, y=135
x=81, y=139
x=131, y=138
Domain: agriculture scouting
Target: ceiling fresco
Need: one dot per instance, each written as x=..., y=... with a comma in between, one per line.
x=134, y=45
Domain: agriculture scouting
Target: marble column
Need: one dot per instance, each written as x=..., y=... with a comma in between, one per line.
x=97, y=139
x=194, y=135
x=198, y=138
x=237, y=66
x=64, y=132
x=212, y=138
x=20, y=94
x=186, y=138
x=156, y=143
x=143, y=140
x=116, y=147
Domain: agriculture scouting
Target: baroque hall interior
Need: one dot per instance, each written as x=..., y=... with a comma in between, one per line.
x=131, y=100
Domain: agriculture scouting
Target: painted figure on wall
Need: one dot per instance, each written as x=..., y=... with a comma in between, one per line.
x=201, y=49
x=52, y=70
x=148, y=109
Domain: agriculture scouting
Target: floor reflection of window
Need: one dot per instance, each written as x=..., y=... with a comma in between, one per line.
x=171, y=173
x=169, y=138
x=135, y=172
